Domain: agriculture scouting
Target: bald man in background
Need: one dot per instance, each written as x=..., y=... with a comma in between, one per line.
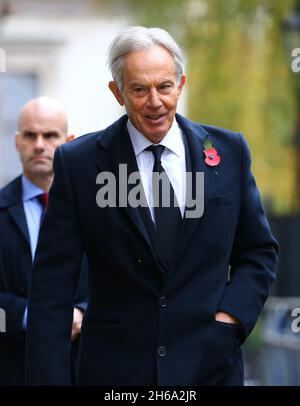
x=42, y=128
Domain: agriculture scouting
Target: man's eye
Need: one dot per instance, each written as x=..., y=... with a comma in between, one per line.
x=165, y=88
x=29, y=135
x=139, y=90
x=50, y=135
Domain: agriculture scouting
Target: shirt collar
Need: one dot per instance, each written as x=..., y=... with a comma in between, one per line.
x=29, y=189
x=172, y=140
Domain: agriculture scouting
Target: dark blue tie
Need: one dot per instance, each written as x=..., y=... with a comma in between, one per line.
x=167, y=219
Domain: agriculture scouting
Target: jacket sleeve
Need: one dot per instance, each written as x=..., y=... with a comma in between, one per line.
x=54, y=280
x=254, y=254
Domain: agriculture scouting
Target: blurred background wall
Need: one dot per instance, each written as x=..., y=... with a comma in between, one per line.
x=55, y=48
x=239, y=77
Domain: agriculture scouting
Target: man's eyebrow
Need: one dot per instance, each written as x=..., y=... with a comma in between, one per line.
x=133, y=84
x=50, y=132
x=26, y=132
x=164, y=82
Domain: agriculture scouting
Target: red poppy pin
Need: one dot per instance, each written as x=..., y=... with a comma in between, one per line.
x=211, y=154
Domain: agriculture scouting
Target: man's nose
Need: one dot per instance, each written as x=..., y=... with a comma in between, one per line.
x=39, y=143
x=154, y=99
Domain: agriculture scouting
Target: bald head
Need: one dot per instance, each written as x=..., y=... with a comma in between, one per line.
x=42, y=128
x=44, y=109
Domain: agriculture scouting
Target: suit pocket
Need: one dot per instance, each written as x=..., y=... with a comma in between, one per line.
x=230, y=330
x=224, y=199
x=227, y=325
x=220, y=352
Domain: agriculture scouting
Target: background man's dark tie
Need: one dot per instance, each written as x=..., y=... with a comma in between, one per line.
x=167, y=219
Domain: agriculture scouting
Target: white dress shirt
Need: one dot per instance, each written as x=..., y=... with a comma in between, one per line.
x=172, y=160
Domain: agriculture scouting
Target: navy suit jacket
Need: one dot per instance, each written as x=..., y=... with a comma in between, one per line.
x=144, y=325
x=15, y=267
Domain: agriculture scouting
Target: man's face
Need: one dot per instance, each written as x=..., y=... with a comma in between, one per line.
x=41, y=131
x=150, y=91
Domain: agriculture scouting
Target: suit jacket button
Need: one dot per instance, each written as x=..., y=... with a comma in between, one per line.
x=22, y=290
x=163, y=301
x=161, y=351
x=139, y=262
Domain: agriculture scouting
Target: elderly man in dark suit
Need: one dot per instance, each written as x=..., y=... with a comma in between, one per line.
x=42, y=128
x=174, y=289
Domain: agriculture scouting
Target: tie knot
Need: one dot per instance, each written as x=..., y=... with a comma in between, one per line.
x=157, y=151
x=43, y=198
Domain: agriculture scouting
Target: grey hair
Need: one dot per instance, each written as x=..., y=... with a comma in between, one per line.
x=138, y=38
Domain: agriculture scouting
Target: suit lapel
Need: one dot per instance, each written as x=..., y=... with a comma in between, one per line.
x=194, y=136
x=115, y=149
x=18, y=215
x=11, y=199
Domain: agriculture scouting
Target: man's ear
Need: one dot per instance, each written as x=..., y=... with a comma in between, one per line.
x=17, y=136
x=70, y=137
x=181, y=84
x=116, y=92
